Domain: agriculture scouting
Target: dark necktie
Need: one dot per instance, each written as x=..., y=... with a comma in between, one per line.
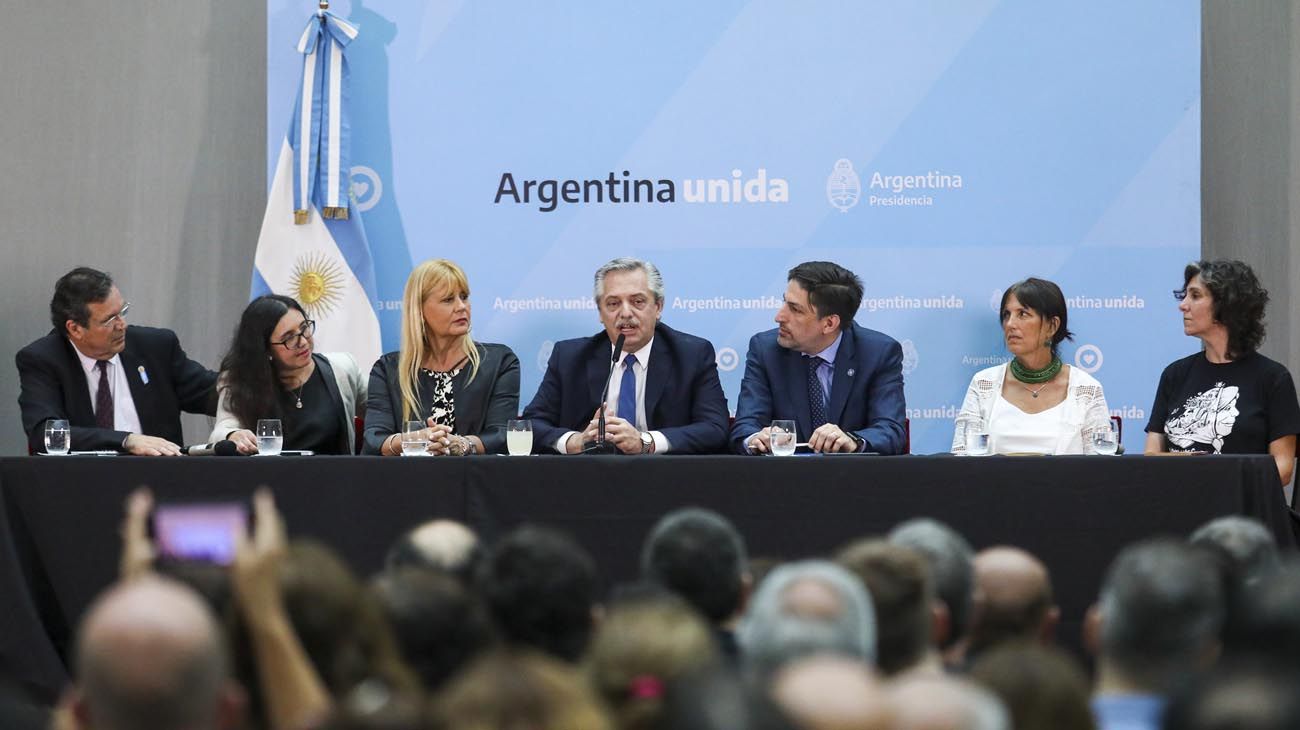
x=816, y=396
x=104, y=398
x=627, y=391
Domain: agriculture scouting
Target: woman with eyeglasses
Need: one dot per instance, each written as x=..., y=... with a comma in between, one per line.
x=271, y=371
x=1227, y=398
x=461, y=390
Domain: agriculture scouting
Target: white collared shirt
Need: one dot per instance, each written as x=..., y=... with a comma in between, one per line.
x=125, y=417
x=611, y=402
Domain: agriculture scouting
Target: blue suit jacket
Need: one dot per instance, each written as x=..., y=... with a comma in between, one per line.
x=866, y=391
x=683, y=397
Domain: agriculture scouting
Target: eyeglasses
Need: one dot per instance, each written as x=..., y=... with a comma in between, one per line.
x=295, y=340
x=111, y=322
x=1180, y=294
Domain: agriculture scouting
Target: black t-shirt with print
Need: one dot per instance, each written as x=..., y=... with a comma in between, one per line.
x=1237, y=407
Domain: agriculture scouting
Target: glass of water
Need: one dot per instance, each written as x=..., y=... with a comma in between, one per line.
x=270, y=439
x=58, y=438
x=1104, y=439
x=519, y=437
x=415, y=442
x=977, y=443
x=783, y=438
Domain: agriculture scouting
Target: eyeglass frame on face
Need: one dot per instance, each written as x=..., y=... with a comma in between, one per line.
x=305, y=332
x=112, y=321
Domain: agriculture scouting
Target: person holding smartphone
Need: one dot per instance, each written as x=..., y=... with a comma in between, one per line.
x=271, y=371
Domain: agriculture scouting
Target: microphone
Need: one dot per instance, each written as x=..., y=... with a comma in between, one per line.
x=225, y=447
x=599, y=446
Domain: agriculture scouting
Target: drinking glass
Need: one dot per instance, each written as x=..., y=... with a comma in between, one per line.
x=414, y=440
x=519, y=437
x=783, y=438
x=270, y=439
x=974, y=434
x=1104, y=440
x=57, y=437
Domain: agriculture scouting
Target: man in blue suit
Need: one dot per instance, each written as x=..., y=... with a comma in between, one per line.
x=841, y=383
x=664, y=394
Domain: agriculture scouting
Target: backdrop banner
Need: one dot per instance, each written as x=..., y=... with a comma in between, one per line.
x=941, y=150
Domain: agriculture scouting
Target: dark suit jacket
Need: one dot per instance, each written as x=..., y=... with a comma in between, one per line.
x=866, y=390
x=483, y=405
x=53, y=385
x=683, y=397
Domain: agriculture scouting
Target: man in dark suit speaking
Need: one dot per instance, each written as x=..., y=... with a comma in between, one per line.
x=664, y=393
x=120, y=388
x=842, y=384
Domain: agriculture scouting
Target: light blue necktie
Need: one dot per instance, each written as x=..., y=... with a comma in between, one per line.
x=627, y=391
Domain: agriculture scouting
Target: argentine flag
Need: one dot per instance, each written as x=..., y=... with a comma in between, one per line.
x=312, y=246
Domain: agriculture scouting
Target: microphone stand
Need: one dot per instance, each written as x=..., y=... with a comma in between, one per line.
x=600, y=445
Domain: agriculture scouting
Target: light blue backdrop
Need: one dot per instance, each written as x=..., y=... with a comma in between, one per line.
x=1053, y=139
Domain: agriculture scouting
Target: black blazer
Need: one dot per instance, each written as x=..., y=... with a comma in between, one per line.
x=482, y=406
x=53, y=385
x=683, y=397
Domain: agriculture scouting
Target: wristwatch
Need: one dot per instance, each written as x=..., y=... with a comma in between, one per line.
x=647, y=442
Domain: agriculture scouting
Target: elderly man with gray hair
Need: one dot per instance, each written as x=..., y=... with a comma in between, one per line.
x=663, y=388
x=806, y=609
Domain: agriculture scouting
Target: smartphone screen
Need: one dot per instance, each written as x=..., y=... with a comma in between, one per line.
x=199, y=531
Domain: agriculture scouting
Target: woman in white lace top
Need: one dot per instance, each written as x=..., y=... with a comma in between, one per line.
x=1034, y=403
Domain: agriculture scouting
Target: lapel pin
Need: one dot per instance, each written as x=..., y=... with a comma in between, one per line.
x=850, y=372
x=144, y=377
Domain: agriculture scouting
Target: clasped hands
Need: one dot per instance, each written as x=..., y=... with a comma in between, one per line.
x=827, y=438
x=620, y=432
x=442, y=441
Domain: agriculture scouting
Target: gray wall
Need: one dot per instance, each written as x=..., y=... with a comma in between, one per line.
x=1250, y=158
x=133, y=140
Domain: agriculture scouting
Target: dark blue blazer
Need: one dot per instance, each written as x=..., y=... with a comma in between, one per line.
x=866, y=390
x=683, y=397
x=53, y=385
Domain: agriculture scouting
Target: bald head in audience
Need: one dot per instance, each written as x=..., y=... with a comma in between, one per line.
x=831, y=693
x=150, y=655
x=1013, y=599
x=934, y=702
x=444, y=545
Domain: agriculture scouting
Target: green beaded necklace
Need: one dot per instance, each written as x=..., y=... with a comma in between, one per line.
x=1025, y=375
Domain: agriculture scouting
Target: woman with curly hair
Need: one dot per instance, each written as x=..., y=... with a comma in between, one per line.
x=1228, y=398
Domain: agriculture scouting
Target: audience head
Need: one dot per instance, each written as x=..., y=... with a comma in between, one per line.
x=938, y=702
x=1265, y=620
x=150, y=655
x=509, y=691
x=806, y=608
x=699, y=555
x=720, y=699
x=1160, y=612
x=898, y=582
x=1237, y=303
x=540, y=589
x=372, y=705
x=1041, y=687
x=949, y=557
x=1238, y=696
x=340, y=624
x=640, y=647
x=439, y=625
x=443, y=545
x=1013, y=599
x=89, y=310
x=1248, y=544
x=831, y=693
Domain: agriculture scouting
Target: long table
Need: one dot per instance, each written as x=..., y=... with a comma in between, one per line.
x=59, y=516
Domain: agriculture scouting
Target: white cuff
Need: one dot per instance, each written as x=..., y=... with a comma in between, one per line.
x=661, y=443
x=562, y=445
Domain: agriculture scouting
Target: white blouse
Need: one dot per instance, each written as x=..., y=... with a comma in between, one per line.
x=1062, y=429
